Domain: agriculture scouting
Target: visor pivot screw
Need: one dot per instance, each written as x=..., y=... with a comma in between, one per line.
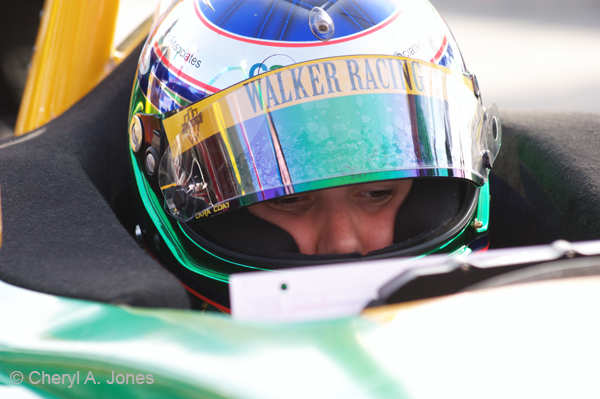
x=465, y=267
x=477, y=224
x=179, y=198
x=321, y=24
x=151, y=161
x=476, y=89
x=136, y=133
x=138, y=235
x=487, y=161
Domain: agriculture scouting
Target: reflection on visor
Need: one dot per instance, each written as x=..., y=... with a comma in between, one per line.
x=323, y=124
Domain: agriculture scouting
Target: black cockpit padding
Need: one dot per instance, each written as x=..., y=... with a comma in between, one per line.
x=545, y=184
x=67, y=207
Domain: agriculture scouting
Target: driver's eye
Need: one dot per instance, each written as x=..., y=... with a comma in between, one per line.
x=286, y=202
x=380, y=193
x=377, y=196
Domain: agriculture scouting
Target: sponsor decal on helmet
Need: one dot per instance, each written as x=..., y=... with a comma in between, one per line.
x=306, y=82
x=275, y=61
x=178, y=51
x=335, y=76
x=258, y=67
x=411, y=50
x=217, y=209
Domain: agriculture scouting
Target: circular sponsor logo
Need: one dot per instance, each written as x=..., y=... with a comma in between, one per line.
x=270, y=63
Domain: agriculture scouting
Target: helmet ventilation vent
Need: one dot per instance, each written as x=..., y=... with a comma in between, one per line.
x=321, y=24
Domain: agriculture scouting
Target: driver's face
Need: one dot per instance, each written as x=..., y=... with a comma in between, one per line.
x=339, y=220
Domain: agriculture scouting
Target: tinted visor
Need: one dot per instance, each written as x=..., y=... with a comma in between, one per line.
x=324, y=124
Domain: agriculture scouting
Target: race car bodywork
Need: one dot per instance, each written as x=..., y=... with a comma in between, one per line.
x=530, y=340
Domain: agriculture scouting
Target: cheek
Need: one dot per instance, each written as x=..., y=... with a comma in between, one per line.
x=378, y=230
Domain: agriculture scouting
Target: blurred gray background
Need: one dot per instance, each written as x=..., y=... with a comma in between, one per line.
x=530, y=54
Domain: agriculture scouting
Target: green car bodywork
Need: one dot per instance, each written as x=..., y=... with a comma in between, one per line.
x=535, y=340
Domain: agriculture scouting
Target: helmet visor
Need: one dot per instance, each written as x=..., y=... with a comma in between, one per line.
x=322, y=124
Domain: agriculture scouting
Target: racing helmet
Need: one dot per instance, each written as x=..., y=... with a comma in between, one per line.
x=237, y=102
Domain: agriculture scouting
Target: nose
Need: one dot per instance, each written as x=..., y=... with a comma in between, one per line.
x=339, y=233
